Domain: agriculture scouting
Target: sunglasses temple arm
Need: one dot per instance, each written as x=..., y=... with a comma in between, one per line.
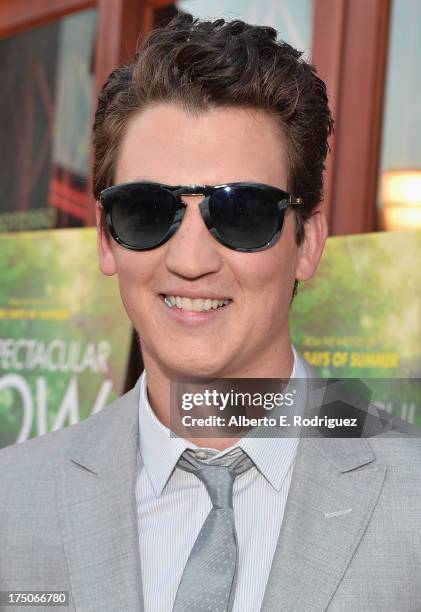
x=295, y=201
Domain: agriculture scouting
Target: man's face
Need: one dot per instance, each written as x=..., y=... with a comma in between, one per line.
x=164, y=144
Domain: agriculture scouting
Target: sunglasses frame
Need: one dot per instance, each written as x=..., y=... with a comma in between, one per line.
x=285, y=200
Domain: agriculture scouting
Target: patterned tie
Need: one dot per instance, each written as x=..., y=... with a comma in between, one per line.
x=210, y=576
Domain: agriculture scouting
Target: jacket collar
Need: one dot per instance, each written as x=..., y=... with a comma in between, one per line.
x=97, y=510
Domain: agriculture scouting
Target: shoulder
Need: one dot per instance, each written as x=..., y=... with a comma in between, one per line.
x=398, y=452
x=36, y=458
x=30, y=474
x=399, y=449
x=395, y=442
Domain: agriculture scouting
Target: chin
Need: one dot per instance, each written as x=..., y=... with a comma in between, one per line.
x=191, y=368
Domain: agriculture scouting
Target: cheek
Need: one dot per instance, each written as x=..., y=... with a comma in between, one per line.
x=267, y=280
x=134, y=271
x=268, y=275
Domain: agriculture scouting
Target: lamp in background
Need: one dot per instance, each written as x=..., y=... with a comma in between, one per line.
x=400, y=196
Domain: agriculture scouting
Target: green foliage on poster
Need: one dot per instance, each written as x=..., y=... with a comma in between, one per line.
x=360, y=316
x=64, y=336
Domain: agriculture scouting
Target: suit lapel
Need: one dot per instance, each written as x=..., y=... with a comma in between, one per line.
x=96, y=503
x=334, y=489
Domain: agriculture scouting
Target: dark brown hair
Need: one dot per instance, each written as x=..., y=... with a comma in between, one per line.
x=204, y=64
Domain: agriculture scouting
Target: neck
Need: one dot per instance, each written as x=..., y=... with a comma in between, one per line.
x=159, y=387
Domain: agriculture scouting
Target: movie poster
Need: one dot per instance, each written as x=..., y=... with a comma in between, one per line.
x=360, y=317
x=64, y=335
x=65, y=338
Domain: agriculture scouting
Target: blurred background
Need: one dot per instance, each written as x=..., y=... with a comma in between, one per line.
x=55, y=55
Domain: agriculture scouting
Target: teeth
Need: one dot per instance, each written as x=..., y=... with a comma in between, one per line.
x=186, y=303
x=196, y=305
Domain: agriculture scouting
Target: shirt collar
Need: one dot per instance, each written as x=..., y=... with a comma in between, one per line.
x=273, y=456
x=160, y=452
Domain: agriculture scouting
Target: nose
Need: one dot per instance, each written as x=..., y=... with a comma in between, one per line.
x=192, y=251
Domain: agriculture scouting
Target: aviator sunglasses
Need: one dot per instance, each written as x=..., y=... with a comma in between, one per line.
x=244, y=217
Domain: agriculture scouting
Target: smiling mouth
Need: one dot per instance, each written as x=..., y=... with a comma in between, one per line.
x=194, y=305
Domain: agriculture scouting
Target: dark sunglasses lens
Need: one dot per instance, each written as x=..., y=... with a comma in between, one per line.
x=245, y=217
x=142, y=215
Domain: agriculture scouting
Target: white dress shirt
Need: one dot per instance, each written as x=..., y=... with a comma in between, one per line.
x=172, y=505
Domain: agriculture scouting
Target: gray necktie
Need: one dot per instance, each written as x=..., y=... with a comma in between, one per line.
x=210, y=576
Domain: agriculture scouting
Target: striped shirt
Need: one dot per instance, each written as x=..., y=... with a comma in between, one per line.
x=172, y=505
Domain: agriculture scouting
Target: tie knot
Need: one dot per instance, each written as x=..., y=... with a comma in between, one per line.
x=218, y=479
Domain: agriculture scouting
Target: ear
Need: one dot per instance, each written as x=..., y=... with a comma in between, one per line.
x=310, y=251
x=104, y=248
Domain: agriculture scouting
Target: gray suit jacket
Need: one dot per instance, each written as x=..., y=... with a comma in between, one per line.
x=350, y=539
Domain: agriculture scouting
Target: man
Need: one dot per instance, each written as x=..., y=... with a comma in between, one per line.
x=209, y=153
